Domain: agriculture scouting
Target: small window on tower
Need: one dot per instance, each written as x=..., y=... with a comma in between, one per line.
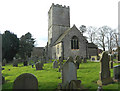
x=74, y=43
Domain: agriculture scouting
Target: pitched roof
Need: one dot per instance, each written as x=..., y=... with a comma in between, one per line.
x=92, y=45
x=62, y=36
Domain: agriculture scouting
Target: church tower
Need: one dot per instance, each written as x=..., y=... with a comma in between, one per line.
x=58, y=22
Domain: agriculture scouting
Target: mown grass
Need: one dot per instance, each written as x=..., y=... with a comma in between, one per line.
x=48, y=78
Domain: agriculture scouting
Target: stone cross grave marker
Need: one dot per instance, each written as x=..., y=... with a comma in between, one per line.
x=25, y=81
x=39, y=66
x=104, y=75
x=55, y=64
x=69, y=71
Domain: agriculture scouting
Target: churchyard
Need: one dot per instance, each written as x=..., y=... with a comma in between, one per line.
x=49, y=77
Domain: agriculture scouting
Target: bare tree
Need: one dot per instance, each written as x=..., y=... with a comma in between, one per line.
x=101, y=38
x=110, y=39
x=115, y=38
x=91, y=31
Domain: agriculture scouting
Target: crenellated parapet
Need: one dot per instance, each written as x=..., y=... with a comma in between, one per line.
x=60, y=6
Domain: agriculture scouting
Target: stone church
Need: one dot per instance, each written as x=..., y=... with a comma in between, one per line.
x=63, y=40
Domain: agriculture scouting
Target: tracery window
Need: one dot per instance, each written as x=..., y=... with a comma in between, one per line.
x=74, y=43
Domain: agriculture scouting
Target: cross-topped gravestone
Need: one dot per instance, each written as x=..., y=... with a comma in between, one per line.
x=104, y=75
x=26, y=81
x=69, y=71
x=55, y=64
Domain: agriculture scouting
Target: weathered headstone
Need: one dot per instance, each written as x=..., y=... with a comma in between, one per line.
x=15, y=63
x=26, y=81
x=25, y=63
x=4, y=62
x=69, y=71
x=77, y=61
x=104, y=75
x=84, y=60
x=55, y=64
x=116, y=73
x=39, y=66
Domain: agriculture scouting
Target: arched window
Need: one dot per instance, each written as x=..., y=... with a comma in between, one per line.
x=74, y=43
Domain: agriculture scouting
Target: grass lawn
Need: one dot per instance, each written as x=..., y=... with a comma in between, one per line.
x=48, y=78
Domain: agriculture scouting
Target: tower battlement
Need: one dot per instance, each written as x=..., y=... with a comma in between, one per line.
x=57, y=5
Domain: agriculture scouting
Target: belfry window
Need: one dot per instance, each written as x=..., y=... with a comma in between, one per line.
x=74, y=43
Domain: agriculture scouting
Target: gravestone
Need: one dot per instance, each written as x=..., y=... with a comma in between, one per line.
x=25, y=81
x=15, y=63
x=25, y=63
x=4, y=62
x=39, y=66
x=77, y=61
x=104, y=75
x=55, y=64
x=116, y=73
x=69, y=71
x=84, y=60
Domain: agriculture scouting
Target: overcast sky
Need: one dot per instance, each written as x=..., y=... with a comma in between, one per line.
x=22, y=16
